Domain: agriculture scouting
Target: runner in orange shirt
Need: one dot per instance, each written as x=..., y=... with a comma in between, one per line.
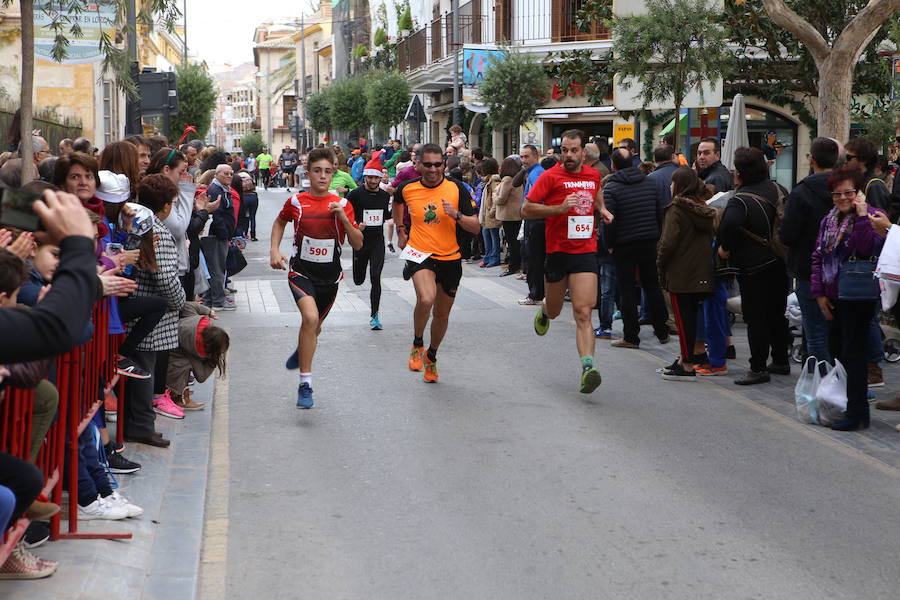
x=436, y=207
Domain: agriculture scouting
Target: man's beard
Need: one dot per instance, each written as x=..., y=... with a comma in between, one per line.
x=570, y=165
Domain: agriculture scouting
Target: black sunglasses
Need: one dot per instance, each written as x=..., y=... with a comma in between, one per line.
x=431, y=164
x=848, y=157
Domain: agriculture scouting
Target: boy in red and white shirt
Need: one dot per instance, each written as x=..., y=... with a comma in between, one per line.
x=321, y=222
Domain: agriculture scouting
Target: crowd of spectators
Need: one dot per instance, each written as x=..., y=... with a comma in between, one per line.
x=132, y=223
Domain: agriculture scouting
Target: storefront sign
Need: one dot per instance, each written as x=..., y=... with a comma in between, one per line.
x=93, y=18
x=622, y=131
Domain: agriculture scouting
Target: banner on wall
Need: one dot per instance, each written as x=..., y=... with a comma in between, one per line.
x=476, y=60
x=529, y=134
x=93, y=18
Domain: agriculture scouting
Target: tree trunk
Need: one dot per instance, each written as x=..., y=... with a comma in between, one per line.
x=835, y=94
x=677, y=138
x=26, y=148
x=836, y=63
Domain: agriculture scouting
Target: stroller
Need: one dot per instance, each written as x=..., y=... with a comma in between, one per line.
x=798, y=345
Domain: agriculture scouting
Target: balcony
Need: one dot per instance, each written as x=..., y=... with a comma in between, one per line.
x=532, y=25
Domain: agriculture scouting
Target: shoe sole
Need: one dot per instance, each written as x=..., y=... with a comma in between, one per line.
x=684, y=378
x=124, y=471
x=125, y=373
x=626, y=347
x=304, y=407
x=712, y=374
x=16, y=576
x=37, y=544
x=591, y=382
x=876, y=385
x=165, y=414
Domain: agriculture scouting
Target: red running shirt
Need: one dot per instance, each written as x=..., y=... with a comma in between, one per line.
x=550, y=189
x=312, y=218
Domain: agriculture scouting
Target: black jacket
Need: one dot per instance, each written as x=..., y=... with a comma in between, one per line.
x=56, y=324
x=717, y=176
x=662, y=176
x=877, y=193
x=637, y=205
x=195, y=226
x=807, y=205
x=223, y=224
x=743, y=212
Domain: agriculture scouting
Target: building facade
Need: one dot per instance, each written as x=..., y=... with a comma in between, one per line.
x=274, y=55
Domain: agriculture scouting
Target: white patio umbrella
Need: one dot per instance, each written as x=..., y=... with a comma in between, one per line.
x=736, y=136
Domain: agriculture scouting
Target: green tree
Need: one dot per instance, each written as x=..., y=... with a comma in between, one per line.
x=514, y=87
x=252, y=143
x=318, y=110
x=347, y=105
x=65, y=30
x=387, y=98
x=835, y=36
x=773, y=64
x=196, y=100
x=674, y=48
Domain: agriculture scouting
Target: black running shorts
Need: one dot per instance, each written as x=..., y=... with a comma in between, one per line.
x=560, y=264
x=323, y=293
x=447, y=272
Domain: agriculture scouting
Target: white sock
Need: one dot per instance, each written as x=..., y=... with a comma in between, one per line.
x=306, y=378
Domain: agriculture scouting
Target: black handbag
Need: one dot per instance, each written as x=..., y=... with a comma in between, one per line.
x=723, y=268
x=856, y=280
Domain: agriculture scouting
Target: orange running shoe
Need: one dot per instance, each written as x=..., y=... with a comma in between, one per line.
x=415, y=358
x=431, y=374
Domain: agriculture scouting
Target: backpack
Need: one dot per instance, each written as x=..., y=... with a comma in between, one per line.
x=773, y=242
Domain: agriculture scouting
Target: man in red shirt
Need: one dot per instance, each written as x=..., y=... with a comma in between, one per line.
x=321, y=221
x=567, y=197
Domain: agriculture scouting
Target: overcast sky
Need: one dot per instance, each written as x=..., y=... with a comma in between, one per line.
x=221, y=31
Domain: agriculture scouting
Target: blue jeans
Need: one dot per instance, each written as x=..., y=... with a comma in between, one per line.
x=716, y=326
x=875, y=352
x=607, y=293
x=491, y=245
x=815, y=327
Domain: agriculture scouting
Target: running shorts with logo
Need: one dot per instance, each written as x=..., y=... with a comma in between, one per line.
x=558, y=265
x=447, y=273
x=431, y=229
x=318, y=235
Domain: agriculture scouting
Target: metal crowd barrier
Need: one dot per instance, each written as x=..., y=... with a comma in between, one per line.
x=84, y=375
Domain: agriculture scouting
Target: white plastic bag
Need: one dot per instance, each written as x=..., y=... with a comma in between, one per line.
x=831, y=394
x=805, y=392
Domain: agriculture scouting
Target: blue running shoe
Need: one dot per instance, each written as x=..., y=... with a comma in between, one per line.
x=617, y=315
x=293, y=362
x=374, y=323
x=603, y=334
x=304, y=396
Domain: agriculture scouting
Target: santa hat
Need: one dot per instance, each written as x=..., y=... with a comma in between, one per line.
x=373, y=168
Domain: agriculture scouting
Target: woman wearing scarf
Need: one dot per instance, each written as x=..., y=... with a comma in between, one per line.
x=846, y=233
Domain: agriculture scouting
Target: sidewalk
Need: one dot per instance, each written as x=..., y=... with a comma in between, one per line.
x=162, y=559
x=881, y=441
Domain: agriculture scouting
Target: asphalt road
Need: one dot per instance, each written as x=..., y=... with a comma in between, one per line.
x=503, y=481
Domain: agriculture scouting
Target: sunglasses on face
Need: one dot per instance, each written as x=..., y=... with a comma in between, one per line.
x=431, y=164
x=849, y=157
x=844, y=194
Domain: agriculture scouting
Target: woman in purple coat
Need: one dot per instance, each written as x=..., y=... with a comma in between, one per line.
x=846, y=232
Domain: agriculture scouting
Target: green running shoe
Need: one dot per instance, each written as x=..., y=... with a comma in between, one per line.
x=590, y=380
x=541, y=322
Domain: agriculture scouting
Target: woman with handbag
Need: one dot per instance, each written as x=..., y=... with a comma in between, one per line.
x=843, y=285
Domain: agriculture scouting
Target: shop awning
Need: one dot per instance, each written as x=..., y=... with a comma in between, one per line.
x=671, y=126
